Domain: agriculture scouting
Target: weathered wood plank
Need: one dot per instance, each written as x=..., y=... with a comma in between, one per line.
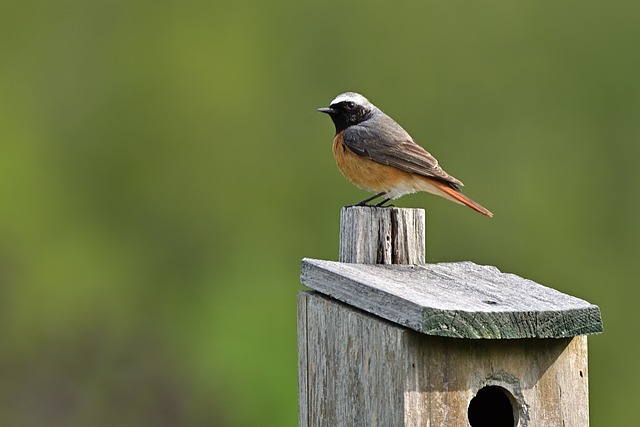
x=370, y=235
x=352, y=371
x=462, y=299
x=303, y=362
x=365, y=371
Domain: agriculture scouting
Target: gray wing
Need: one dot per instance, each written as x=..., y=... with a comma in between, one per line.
x=384, y=141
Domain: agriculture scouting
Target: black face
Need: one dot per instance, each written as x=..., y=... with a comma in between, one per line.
x=346, y=113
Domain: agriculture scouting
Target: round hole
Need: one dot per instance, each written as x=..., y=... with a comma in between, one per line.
x=491, y=407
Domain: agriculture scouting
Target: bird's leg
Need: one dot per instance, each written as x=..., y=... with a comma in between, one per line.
x=364, y=202
x=381, y=204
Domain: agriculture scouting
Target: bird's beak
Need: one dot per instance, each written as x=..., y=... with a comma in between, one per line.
x=327, y=110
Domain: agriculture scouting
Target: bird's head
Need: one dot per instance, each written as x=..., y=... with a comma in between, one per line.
x=349, y=109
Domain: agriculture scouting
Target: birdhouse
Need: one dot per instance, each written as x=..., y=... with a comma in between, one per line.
x=387, y=340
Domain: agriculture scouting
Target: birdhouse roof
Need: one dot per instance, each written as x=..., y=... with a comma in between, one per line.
x=460, y=299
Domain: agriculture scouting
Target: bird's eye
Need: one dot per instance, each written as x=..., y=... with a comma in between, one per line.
x=351, y=105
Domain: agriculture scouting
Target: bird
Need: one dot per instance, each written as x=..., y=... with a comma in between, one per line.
x=377, y=155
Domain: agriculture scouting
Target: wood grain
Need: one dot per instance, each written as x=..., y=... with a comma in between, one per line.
x=462, y=299
x=370, y=235
x=365, y=371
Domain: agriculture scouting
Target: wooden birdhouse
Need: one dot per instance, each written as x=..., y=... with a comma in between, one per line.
x=387, y=340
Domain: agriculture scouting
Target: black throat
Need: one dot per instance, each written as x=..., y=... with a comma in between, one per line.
x=340, y=122
x=344, y=118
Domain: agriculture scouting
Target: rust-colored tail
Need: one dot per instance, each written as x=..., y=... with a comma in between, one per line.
x=456, y=196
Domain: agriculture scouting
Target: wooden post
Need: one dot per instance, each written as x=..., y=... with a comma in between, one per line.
x=370, y=235
x=451, y=344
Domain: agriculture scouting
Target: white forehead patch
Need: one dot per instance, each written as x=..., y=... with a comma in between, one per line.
x=350, y=96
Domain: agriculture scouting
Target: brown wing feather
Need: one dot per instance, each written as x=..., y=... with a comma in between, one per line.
x=388, y=143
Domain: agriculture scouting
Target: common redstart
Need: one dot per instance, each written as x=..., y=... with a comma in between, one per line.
x=378, y=155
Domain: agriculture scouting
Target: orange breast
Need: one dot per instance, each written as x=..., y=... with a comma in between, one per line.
x=365, y=173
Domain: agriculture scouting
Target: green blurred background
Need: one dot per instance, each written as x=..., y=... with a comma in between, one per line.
x=163, y=170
